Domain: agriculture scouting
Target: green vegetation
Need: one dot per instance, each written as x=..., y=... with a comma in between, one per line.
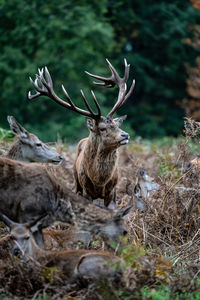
x=5, y=135
x=70, y=37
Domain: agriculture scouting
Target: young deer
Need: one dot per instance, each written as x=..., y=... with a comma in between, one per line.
x=146, y=183
x=86, y=264
x=28, y=191
x=28, y=147
x=96, y=163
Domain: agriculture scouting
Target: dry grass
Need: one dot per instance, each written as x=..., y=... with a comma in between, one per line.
x=163, y=244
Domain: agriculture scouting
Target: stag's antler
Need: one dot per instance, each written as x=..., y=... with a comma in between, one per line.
x=113, y=80
x=44, y=87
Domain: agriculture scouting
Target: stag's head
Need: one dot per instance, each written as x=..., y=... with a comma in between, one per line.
x=105, y=128
x=108, y=132
x=30, y=147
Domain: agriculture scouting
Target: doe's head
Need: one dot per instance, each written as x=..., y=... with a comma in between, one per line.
x=115, y=226
x=32, y=149
x=21, y=235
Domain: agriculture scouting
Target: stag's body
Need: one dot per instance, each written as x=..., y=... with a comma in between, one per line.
x=75, y=263
x=95, y=168
x=28, y=147
x=29, y=190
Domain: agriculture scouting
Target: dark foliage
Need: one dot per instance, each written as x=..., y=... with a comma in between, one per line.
x=70, y=37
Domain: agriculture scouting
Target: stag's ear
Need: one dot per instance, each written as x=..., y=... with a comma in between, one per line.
x=17, y=129
x=122, y=213
x=119, y=121
x=90, y=124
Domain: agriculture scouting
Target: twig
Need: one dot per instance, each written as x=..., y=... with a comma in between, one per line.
x=171, y=187
x=152, y=235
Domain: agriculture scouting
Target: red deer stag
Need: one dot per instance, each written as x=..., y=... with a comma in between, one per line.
x=28, y=147
x=87, y=264
x=28, y=191
x=96, y=163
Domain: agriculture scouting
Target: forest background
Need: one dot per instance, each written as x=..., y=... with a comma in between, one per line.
x=160, y=39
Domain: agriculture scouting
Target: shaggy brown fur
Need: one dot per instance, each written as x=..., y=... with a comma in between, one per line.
x=88, y=264
x=96, y=163
x=28, y=191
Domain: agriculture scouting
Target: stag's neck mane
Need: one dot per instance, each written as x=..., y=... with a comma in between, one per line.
x=99, y=159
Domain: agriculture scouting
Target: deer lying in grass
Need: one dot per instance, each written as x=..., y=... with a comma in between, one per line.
x=146, y=183
x=28, y=147
x=28, y=191
x=96, y=163
x=144, y=187
x=86, y=264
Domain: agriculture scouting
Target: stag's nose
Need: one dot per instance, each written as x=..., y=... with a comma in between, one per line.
x=60, y=157
x=16, y=252
x=125, y=135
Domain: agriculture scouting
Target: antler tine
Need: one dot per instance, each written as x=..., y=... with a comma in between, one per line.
x=129, y=92
x=86, y=103
x=127, y=69
x=31, y=97
x=109, y=82
x=97, y=104
x=95, y=116
x=122, y=96
x=68, y=98
x=113, y=80
x=43, y=90
x=46, y=89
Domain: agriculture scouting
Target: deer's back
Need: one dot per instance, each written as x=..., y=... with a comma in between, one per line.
x=23, y=188
x=89, y=264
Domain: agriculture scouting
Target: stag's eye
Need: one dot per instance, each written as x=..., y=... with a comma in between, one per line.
x=27, y=237
x=39, y=145
x=102, y=129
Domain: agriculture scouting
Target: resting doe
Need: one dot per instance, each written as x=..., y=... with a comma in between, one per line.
x=28, y=191
x=86, y=264
x=28, y=147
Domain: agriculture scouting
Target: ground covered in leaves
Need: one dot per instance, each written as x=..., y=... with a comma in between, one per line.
x=162, y=249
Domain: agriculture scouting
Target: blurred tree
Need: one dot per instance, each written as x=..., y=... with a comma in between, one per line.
x=191, y=104
x=151, y=35
x=71, y=36
x=66, y=36
x=196, y=3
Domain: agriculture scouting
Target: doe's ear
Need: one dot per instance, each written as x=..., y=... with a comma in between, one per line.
x=122, y=213
x=8, y=222
x=119, y=121
x=90, y=124
x=35, y=224
x=17, y=129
